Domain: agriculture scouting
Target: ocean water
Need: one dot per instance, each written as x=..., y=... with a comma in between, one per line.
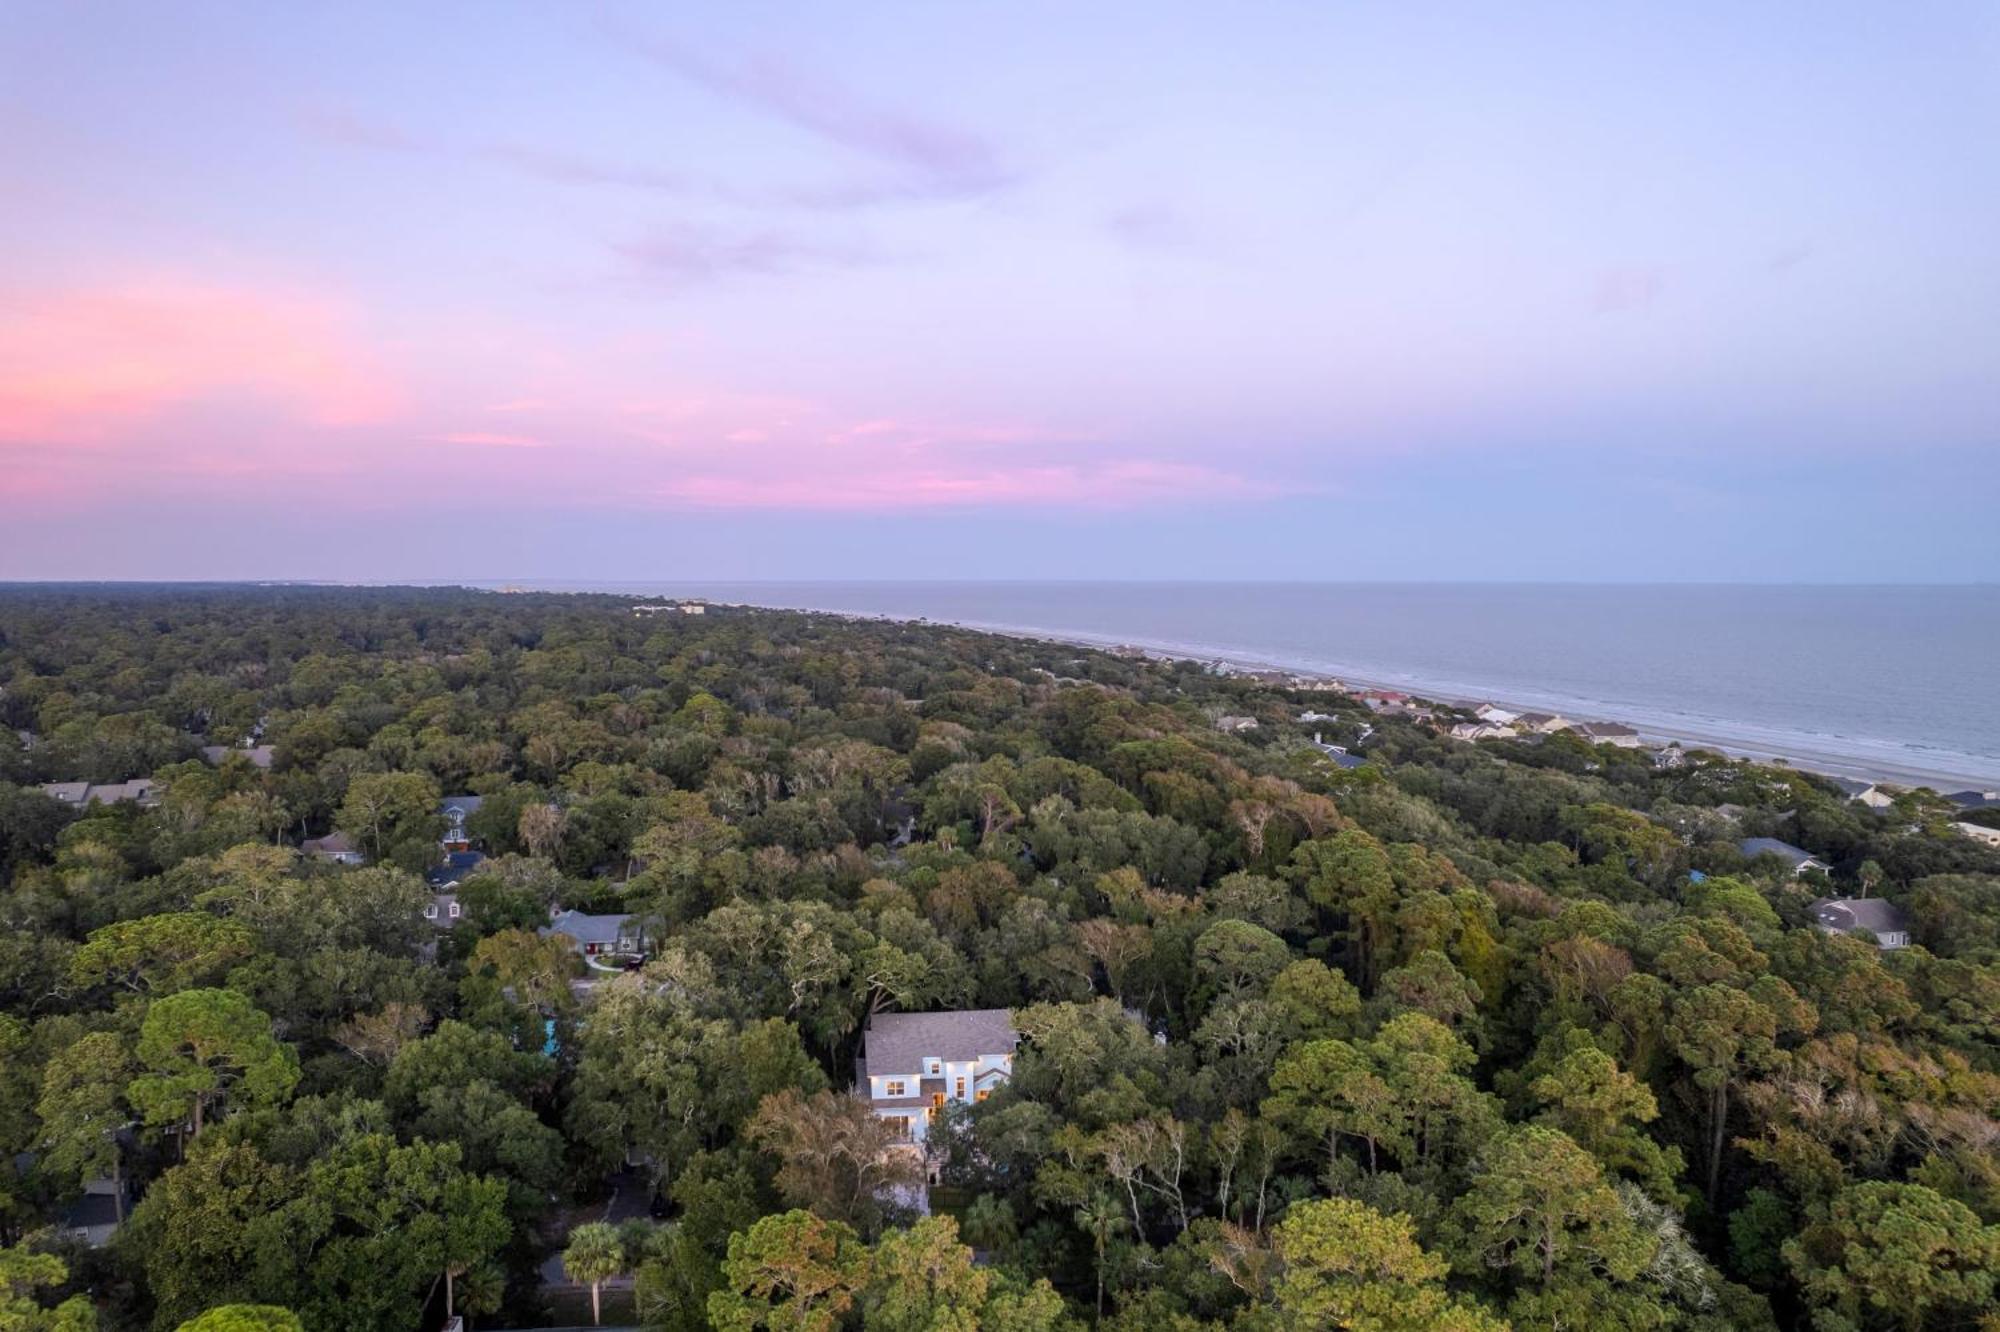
x=1887, y=681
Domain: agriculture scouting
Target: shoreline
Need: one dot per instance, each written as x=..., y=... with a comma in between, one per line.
x=1719, y=737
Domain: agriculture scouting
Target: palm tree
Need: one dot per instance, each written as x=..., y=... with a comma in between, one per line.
x=595, y=1255
x=1101, y=1218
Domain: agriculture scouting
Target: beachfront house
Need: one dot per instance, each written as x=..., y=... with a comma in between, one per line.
x=1975, y=799
x=455, y=810
x=1542, y=723
x=911, y=1064
x=1883, y=920
x=1800, y=861
x=1481, y=730
x=1607, y=733
x=1493, y=712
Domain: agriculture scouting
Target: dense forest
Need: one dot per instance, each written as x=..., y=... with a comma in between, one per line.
x=1466, y=1037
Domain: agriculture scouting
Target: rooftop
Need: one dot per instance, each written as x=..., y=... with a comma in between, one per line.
x=1785, y=851
x=900, y=1042
x=1874, y=914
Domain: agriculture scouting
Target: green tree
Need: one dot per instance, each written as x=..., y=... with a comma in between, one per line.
x=1897, y=1255
x=1342, y=1264
x=82, y=1107
x=593, y=1256
x=204, y=1048
x=923, y=1280
x=244, y=1318
x=791, y=1272
x=22, y=1273
x=160, y=954
x=1540, y=1206
x=391, y=810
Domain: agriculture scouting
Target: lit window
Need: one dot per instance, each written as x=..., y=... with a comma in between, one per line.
x=982, y=1093
x=959, y=1089
x=892, y=1088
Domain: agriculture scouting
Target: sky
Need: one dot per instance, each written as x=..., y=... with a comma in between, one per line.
x=1570, y=291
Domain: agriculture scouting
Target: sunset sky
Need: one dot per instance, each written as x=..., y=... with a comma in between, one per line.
x=1575, y=291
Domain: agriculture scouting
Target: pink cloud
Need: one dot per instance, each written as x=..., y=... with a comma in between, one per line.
x=1123, y=484
x=84, y=365
x=487, y=439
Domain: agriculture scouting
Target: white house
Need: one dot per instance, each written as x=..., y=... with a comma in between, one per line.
x=1844, y=915
x=456, y=810
x=912, y=1063
x=1481, y=730
x=1608, y=733
x=1493, y=712
x=1978, y=832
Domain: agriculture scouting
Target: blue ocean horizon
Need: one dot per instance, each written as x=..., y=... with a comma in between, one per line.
x=1885, y=680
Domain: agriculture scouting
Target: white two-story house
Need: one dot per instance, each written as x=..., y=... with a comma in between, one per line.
x=912, y=1063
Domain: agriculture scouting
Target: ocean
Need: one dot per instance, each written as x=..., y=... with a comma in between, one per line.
x=1895, y=682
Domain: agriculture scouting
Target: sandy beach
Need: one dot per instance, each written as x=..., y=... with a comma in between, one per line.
x=1740, y=741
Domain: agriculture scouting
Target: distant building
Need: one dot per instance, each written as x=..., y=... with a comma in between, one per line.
x=1310, y=716
x=1337, y=753
x=1673, y=756
x=1493, y=712
x=1608, y=733
x=1845, y=915
x=78, y=795
x=672, y=607
x=594, y=935
x=912, y=1063
x=1876, y=798
x=1978, y=832
x=1541, y=723
x=260, y=756
x=336, y=847
x=456, y=810
x=1799, y=860
x=1482, y=730
x=443, y=910
x=1975, y=799
x=1234, y=725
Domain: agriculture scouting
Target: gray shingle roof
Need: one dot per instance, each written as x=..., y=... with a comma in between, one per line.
x=1785, y=851
x=1874, y=914
x=900, y=1042
x=586, y=929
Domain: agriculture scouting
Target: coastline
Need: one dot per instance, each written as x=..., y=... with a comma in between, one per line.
x=1716, y=734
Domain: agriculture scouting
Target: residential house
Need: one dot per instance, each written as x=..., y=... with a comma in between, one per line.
x=1978, y=832
x=1608, y=733
x=1493, y=712
x=456, y=810
x=94, y=1218
x=593, y=936
x=74, y=794
x=1337, y=753
x=1378, y=699
x=1673, y=756
x=1975, y=799
x=453, y=871
x=1845, y=915
x=138, y=791
x=1310, y=716
x=443, y=910
x=1234, y=725
x=1482, y=730
x=259, y=755
x=1799, y=860
x=336, y=847
x=1542, y=723
x=912, y=1063
x=1876, y=798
